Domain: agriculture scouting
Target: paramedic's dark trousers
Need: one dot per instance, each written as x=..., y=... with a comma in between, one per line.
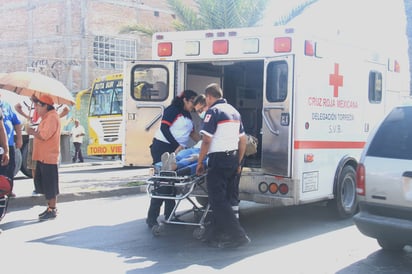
x=157, y=149
x=155, y=204
x=221, y=174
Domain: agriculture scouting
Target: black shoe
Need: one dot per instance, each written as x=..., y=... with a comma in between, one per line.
x=234, y=243
x=50, y=214
x=150, y=222
x=43, y=213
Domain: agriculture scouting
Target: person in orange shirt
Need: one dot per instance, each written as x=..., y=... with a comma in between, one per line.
x=33, y=120
x=46, y=150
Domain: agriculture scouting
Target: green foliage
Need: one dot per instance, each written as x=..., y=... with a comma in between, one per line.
x=294, y=13
x=218, y=14
x=146, y=30
x=209, y=14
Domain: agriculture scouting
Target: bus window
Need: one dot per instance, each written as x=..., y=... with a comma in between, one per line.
x=150, y=83
x=117, y=106
x=277, y=82
x=105, y=116
x=106, y=98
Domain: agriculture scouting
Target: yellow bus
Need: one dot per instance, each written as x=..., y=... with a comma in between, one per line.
x=105, y=124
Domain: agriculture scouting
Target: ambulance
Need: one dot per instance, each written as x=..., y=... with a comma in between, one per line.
x=310, y=102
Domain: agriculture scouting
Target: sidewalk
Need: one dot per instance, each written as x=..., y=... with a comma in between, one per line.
x=123, y=182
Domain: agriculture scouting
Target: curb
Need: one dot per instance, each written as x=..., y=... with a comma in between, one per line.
x=19, y=203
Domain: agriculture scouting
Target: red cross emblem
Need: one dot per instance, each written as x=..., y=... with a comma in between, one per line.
x=336, y=80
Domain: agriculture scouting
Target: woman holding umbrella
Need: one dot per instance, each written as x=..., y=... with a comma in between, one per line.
x=46, y=150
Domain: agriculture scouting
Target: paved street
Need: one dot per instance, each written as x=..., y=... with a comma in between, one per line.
x=109, y=235
x=93, y=179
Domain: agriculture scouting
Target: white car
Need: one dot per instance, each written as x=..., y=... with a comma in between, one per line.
x=384, y=182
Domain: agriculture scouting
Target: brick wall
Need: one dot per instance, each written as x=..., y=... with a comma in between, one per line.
x=50, y=36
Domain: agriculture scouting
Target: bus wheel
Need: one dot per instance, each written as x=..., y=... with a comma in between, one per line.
x=24, y=169
x=345, y=202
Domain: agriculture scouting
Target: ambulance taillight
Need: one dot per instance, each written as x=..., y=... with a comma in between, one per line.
x=283, y=189
x=164, y=49
x=273, y=188
x=282, y=44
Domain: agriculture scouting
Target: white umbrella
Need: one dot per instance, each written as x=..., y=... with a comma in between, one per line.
x=30, y=83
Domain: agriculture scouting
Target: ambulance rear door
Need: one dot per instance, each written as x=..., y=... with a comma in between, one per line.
x=277, y=116
x=149, y=89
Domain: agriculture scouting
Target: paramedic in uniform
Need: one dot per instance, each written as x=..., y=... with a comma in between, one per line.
x=224, y=141
x=175, y=130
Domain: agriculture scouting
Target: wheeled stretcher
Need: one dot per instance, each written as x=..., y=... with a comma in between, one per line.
x=5, y=190
x=179, y=188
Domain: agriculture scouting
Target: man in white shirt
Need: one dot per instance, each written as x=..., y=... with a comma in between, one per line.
x=77, y=134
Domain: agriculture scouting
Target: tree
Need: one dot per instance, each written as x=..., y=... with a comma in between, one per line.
x=296, y=11
x=210, y=14
x=218, y=14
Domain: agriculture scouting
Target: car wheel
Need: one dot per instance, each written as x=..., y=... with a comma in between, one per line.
x=17, y=160
x=345, y=202
x=24, y=168
x=390, y=245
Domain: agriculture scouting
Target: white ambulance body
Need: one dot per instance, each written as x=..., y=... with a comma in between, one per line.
x=310, y=102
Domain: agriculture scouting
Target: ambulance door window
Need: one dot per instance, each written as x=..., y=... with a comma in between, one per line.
x=277, y=81
x=150, y=83
x=375, y=87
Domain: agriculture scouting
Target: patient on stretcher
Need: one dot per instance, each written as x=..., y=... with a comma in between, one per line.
x=184, y=162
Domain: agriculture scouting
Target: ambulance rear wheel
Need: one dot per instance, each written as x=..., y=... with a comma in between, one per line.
x=345, y=202
x=24, y=154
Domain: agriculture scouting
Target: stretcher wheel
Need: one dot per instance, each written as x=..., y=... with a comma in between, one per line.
x=203, y=201
x=157, y=230
x=198, y=232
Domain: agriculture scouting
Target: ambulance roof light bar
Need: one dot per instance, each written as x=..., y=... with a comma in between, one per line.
x=164, y=49
x=309, y=48
x=394, y=66
x=397, y=66
x=220, y=47
x=282, y=44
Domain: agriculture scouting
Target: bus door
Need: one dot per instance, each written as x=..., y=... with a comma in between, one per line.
x=148, y=90
x=277, y=116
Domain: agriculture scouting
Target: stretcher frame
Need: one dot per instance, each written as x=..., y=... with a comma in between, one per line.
x=4, y=202
x=182, y=188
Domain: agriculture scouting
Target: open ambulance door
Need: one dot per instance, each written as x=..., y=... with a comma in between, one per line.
x=277, y=116
x=148, y=90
